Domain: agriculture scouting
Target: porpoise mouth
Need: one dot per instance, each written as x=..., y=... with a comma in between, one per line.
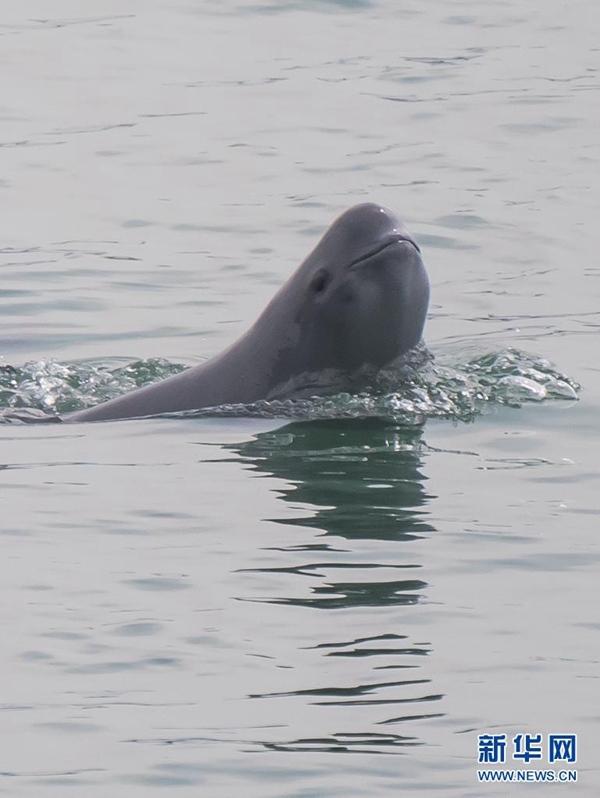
x=388, y=242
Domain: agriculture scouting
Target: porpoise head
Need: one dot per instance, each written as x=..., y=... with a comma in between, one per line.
x=359, y=299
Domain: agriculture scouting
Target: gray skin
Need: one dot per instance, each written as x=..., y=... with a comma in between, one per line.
x=357, y=303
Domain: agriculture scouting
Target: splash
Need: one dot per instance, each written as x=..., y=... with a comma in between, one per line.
x=45, y=389
x=429, y=390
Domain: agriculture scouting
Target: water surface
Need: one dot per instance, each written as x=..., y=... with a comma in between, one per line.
x=324, y=608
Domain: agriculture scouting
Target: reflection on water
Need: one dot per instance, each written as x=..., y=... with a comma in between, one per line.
x=361, y=477
x=363, y=491
x=357, y=743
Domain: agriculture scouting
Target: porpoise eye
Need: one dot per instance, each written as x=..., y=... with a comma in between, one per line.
x=319, y=282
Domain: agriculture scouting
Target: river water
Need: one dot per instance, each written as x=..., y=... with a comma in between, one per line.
x=213, y=606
